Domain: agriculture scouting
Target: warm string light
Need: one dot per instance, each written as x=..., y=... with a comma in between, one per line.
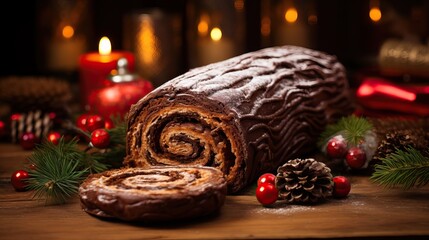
x=291, y=15
x=374, y=11
x=312, y=19
x=68, y=31
x=239, y=5
x=265, y=26
x=375, y=14
x=216, y=34
x=203, y=25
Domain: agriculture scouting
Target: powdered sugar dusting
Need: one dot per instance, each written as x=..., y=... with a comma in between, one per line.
x=284, y=209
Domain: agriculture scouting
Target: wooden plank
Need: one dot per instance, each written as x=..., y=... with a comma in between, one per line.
x=369, y=211
x=12, y=157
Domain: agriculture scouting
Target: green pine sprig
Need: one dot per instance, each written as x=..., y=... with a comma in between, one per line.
x=113, y=157
x=59, y=169
x=57, y=172
x=407, y=168
x=352, y=128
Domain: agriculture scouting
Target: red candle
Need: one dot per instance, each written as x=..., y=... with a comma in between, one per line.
x=94, y=67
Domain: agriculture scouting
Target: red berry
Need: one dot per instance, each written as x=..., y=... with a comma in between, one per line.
x=54, y=137
x=337, y=147
x=52, y=115
x=32, y=166
x=100, y=138
x=19, y=180
x=28, y=140
x=2, y=128
x=341, y=187
x=94, y=122
x=267, y=178
x=108, y=124
x=356, y=157
x=81, y=121
x=267, y=194
x=15, y=117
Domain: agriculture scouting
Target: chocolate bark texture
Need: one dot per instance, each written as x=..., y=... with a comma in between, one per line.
x=245, y=116
x=152, y=195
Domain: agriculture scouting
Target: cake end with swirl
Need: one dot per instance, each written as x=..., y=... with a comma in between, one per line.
x=154, y=195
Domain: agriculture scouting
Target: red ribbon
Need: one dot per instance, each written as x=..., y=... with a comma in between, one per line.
x=383, y=95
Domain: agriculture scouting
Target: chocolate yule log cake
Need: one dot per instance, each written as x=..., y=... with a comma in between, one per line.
x=157, y=194
x=245, y=116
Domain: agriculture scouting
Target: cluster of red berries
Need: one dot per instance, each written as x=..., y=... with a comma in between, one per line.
x=96, y=127
x=338, y=148
x=29, y=140
x=267, y=193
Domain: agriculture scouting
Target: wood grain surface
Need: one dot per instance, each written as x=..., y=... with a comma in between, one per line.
x=370, y=211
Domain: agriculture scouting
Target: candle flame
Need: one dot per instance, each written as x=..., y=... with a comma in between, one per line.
x=68, y=31
x=104, y=47
x=216, y=34
x=291, y=15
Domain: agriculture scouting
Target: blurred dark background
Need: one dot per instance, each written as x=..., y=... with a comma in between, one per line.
x=43, y=40
x=342, y=28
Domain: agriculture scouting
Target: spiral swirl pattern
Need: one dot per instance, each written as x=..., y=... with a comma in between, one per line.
x=163, y=193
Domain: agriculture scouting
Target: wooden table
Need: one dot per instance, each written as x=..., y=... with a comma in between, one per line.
x=370, y=211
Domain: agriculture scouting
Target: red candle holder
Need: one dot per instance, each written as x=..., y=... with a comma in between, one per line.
x=121, y=89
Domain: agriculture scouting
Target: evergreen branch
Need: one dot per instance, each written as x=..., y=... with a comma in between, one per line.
x=59, y=169
x=118, y=134
x=351, y=127
x=92, y=163
x=57, y=172
x=113, y=157
x=407, y=168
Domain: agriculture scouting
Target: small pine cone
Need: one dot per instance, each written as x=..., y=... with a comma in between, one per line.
x=396, y=133
x=304, y=181
x=400, y=139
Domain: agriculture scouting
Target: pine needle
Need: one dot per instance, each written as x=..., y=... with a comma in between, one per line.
x=351, y=127
x=118, y=133
x=407, y=168
x=57, y=174
x=114, y=156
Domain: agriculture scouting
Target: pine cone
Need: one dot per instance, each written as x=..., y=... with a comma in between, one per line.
x=29, y=93
x=399, y=139
x=304, y=181
x=398, y=134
